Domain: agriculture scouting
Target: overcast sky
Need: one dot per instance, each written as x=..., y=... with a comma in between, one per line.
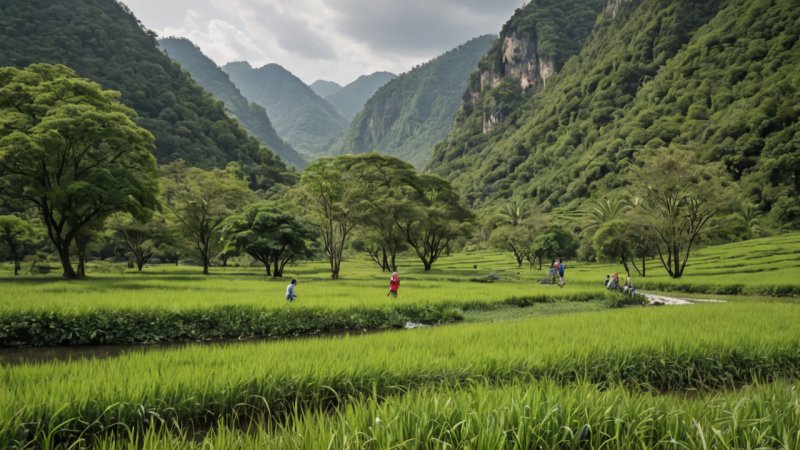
x=334, y=40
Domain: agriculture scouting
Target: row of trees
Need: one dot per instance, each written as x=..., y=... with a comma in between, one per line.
x=671, y=203
x=71, y=154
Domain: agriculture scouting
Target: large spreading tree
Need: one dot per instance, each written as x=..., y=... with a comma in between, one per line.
x=73, y=151
x=201, y=200
x=432, y=218
x=272, y=234
x=680, y=198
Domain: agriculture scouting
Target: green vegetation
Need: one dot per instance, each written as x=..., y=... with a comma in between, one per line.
x=666, y=349
x=102, y=41
x=716, y=77
x=252, y=117
x=310, y=124
x=544, y=415
x=350, y=99
x=72, y=152
x=411, y=113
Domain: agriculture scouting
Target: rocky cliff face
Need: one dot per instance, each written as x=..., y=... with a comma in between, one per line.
x=532, y=47
x=613, y=7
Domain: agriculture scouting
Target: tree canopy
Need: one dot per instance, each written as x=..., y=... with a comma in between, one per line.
x=73, y=151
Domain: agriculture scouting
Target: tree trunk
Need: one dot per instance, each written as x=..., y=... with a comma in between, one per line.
x=635, y=267
x=17, y=265
x=130, y=263
x=427, y=265
x=644, y=267
x=206, y=263
x=81, y=265
x=385, y=261
x=625, y=265
x=66, y=264
x=139, y=265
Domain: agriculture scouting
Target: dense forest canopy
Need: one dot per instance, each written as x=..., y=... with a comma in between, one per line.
x=101, y=40
x=720, y=77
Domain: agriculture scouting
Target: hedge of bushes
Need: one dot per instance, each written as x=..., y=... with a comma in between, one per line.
x=39, y=328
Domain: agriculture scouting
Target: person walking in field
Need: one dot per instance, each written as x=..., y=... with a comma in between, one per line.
x=394, y=285
x=561, y=272
x=290, y=293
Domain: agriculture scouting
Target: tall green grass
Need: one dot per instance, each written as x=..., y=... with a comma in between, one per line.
x=519, y=416
x=654, y=349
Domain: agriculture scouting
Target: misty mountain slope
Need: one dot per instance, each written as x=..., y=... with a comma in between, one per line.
x=304, y=120
x=411, y=113
x=324, y=88
x=350, y=99
x=251, y=116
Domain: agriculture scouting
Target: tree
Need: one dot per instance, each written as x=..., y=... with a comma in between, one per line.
x=384, y=182
x=680, y=197
x=141, y=239
x=554, y=241
x=73, y=151
x=200, y=200
x=602, y=211
x=333, y=200
x=17, y=239
x=518, y=239
x=612, y=240
x=269, y=234
x=432, y=218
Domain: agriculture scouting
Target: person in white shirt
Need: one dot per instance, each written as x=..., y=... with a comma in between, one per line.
x=290, y=294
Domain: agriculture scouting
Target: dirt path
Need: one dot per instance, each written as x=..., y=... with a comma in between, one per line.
x=655, y=299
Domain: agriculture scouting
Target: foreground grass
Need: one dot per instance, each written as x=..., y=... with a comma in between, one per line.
x=543, y=415
x=652, y=349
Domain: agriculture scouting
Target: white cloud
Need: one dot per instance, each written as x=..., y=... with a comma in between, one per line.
x=325, y=39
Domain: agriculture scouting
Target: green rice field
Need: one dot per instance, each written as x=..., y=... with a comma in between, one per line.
x=512, y=363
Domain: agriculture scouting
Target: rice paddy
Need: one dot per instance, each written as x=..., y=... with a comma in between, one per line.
x=563, y=374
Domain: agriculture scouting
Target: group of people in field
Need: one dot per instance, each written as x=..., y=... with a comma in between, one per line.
x=612, y=284
x=556, y=272
x=394, y=285
x=554, y=275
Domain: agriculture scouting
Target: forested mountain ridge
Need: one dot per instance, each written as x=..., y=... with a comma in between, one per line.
x=303, y=119
x=251, y=116
x=410, y=114
x=103, y=41
x=350, y=99
x=719, y=77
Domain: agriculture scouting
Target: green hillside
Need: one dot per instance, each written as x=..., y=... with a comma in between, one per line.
x=304, y=120
x=251, y=116
x=719, y=77
x=350, y=99
x=407, y=116
x=103, y=41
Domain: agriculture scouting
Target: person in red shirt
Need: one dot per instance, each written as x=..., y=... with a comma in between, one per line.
x=394, y=284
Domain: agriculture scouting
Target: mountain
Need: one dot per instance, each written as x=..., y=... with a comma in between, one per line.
x=413, y=112
x=251, y=116
x=307, y=122
x=575, y=89
x=324, y=88
x=350, y=99
x=101, y=40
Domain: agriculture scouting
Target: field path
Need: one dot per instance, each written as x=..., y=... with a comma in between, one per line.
x=655, y=299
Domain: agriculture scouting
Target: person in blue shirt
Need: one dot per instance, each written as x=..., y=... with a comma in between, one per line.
x=290, y=294
x=560, y=272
